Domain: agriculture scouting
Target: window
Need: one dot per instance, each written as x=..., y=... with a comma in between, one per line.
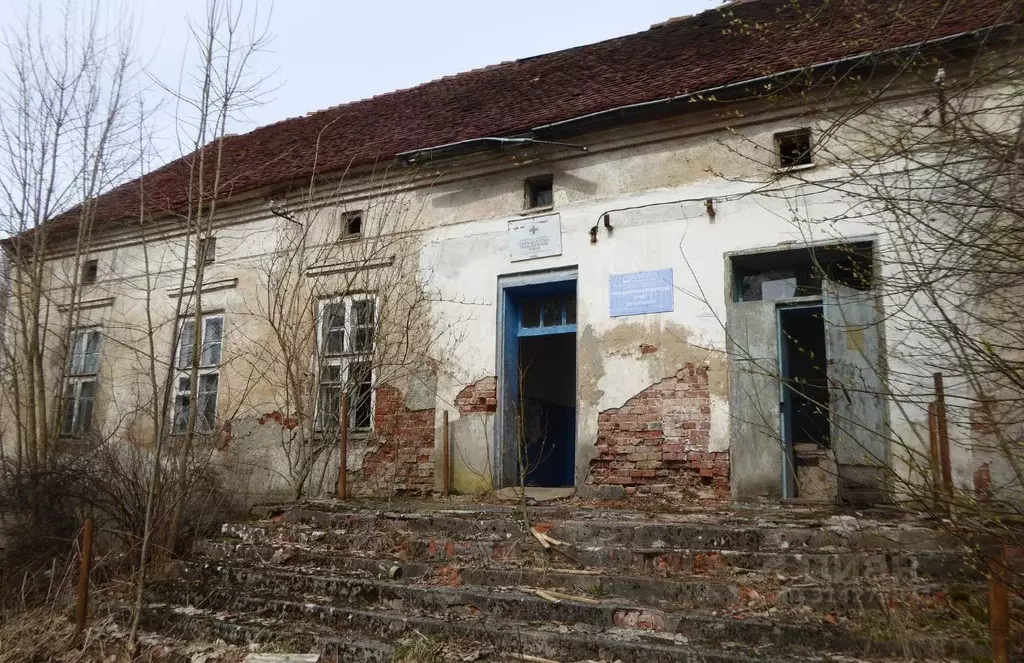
x=206, y=250
x=90, y=270
x=347, y=326
x=80, y=384
x=794, y=148
x=351, y=225
x=555, y=310
x=776, y=275
x=540, y=191
x=210, y=345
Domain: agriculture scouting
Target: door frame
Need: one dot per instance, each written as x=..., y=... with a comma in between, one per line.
x=504, y=458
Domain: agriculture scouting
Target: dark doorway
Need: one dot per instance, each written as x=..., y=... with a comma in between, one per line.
x=549, y=408
x=538, y=384
x=804, y=383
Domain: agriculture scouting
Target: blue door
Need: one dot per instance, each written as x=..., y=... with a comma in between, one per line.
x=539, y=383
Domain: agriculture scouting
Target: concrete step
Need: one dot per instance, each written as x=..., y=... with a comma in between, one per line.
x=630, y=529
x=324, y=599
x=339, y=631
x=715, y=591
x=521, y=548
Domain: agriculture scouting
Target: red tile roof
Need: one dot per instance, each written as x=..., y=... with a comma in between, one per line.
x=734, y=43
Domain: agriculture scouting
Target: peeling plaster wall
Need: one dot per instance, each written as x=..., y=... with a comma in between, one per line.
x=654, y=227
x=655, y=196
x=652, y=180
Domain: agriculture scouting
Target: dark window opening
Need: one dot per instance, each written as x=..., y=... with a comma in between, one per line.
x=799, y=272
x=540, y=191
x=90, y=271
x=351, y=225
x=206, y=250
x=360, y=395
x=794, y=148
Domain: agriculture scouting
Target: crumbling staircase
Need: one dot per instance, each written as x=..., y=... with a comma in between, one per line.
x=371, y=582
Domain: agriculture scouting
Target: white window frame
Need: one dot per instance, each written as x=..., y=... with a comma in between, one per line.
x=348, y=355
x=77, y=375
x=208, y=366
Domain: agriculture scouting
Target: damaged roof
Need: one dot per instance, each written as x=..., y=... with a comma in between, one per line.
x=734, y=43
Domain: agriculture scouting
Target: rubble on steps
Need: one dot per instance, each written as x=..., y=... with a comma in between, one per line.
x=455, y=581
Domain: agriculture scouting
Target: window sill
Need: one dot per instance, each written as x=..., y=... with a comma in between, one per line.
x=537, y=210
x=354, y=434
x=346, y=239
x=782, y=172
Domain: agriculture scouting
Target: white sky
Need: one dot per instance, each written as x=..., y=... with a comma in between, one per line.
x=327, y=52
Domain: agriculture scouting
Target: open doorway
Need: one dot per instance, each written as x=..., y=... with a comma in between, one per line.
x=538, y=384
x=803, y=380
x=548, y=408
x=807, y=374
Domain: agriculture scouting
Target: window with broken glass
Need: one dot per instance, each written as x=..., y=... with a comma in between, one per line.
x=81, y=381
x=211, y=340
x=346, y=341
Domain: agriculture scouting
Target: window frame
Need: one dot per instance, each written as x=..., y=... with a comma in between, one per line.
x=75, y=380
x=344, y=218
x=780, y=136
x=183, y=371
x=203, y=250
x=346, y=358
x=532, y=185
x=90, y=271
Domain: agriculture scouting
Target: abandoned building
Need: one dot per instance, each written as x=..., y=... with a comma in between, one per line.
x=619, y=268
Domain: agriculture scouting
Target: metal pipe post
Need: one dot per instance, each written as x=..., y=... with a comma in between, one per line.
x=446, y=479
x=82, y=607
x=343, y=450
x=943, y=437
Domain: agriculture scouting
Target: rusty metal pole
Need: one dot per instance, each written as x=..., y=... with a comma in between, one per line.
x=943, y=437
x=999, y=608
x=446, y=479
x=343, y=450
x=935, y=462
x=82, y=608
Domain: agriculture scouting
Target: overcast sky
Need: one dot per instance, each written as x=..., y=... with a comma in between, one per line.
x=327, y=52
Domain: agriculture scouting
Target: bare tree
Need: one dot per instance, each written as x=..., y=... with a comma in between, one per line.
x=65, y=127
x=345, y=308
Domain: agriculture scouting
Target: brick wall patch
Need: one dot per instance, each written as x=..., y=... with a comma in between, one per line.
x=481, y=396
x=657, y=442
x=402, y=456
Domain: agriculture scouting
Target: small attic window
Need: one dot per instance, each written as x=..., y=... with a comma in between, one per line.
x=206, y=250
x=540, y=191
x=90, y=271
x=351, y=225
x=794, y=148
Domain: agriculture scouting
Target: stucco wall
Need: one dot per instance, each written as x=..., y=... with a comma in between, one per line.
x=652, y=182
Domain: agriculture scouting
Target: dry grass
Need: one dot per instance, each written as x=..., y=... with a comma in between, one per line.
x=44, y=635
x=419, y=649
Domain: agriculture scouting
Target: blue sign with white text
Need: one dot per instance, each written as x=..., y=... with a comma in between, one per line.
x=641, y=292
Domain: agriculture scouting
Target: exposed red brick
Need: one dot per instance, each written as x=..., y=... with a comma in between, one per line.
x=403, y=457
x=481, y=396
x=711, y=49
x=657, y=442
x=646, y=349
